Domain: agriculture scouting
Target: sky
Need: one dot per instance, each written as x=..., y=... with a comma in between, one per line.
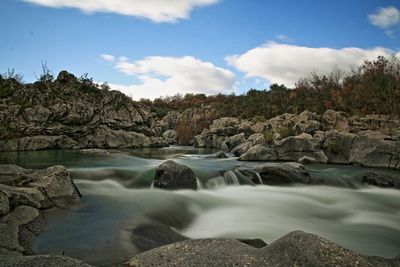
x=153, y=48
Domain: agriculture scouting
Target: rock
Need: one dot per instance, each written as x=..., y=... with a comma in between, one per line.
x=108, y=138
x=307, y=160
x=172, y=176
x=283, y=173
x=171, y=136
x=39, y=142
x=233, y=141
x=294, y=249
x=50, y=187
x=242, y=148
x=95, y=151
x=306, y=122
x=149, y=235
x=259, y=153
x=42, y=261
x=11, y=226
x=337, y=146
x=335, y=120
x=255, y=243
x=218, y=155
x=4, y=204
x=256, y=139
x=381, y=180
x=208, y=139
x=295, y=147
x=252, y=175
x=56, y=185
x=373, y=152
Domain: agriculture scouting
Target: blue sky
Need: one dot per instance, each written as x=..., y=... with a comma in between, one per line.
x=148, y=48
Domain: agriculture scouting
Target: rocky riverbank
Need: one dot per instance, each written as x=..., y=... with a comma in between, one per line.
x=71, y=113
x=332, y=137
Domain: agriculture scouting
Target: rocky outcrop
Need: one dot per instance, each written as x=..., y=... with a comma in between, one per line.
x=294, y=249
x=171, y=136
x=294, y=148
x=233, y=141
x=381, y=180
x=173, y=176
x=51, y=187
x=283, y=173
x=333, y=120
x=259, y=153
x=23, y=193
x=71, y=113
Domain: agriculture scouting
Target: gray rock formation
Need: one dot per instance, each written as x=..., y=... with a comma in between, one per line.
x=51, y=187
x=171, y=136
x=72, y=113
x=283, y=173
x=381, y=180
x=173, y=176
x=259, y=153
x=294, y=249
x=334, y=120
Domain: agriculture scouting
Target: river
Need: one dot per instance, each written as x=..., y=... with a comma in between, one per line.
x=118, y=194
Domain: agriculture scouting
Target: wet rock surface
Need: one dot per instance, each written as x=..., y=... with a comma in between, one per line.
x=171, y=175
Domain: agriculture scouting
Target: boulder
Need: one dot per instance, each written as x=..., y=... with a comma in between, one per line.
x=381, y=180
x=149, y=235
x=43, y=260
x=217, y=155
x=172, y=176
x=4, y=204
x=105, y=137
x=273, y=173
x=259, y=153
x=293, y=148
x=337, y=146
x=306, y=122
x=171, y=136
x=50, y=187
x=242, y=148
x=307, y=160
x=294, y=249
x=233, y=141
x=335, y=120
x=11, y=235
x=39, y=142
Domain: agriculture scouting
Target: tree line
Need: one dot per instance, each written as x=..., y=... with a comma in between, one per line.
x=371, y=88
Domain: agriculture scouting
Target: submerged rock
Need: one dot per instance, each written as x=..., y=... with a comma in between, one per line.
x=381, y=180
x=294, y=249
x=217, y=155
x=171, y=175
x=283, y=173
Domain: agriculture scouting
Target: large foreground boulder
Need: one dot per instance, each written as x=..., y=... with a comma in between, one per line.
x=50, y=187
x=42, y=261
x=273, y=173
x=294, y=249
x=171, y=175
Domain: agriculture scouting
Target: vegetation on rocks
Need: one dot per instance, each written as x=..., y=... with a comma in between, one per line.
x=372, y=88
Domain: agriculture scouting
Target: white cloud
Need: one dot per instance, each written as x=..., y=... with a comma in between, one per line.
x=109, y=58
x=154, y=10
x=284, y=38
x=385, y=17
x=162, y=76
x=285, y=64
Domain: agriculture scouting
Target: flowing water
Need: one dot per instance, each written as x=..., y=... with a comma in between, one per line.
x=117, y=195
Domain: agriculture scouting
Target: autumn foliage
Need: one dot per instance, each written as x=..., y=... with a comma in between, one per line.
x=372, y=88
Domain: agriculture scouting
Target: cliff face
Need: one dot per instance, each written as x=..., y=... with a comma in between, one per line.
x=71, y=113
